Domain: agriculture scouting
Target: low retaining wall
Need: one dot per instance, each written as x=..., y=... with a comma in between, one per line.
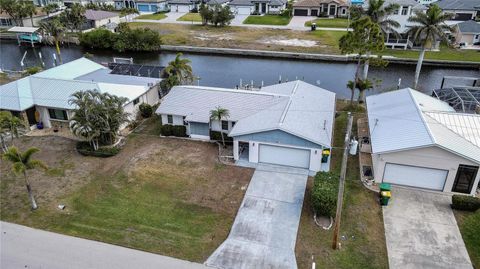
x=308, y=56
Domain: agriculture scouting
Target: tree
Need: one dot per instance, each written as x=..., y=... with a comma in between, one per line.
x=127, y=11
x=205, y=13
x=14, y=9
x=97, y=116
x=50, y=8
x=362, y=86
x=21, y=163
x=9, y=125
x=74, y=17
x=56, y=30
x=219, y=114
x=180, y=69
x=216, y=14
x=427, y=29
x=379, y=13
x=351, y=85
x=28, y=9
x=365, y=37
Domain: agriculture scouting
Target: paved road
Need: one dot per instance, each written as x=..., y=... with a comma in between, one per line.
x=23, y=247
x=421, y=231
x=265, y=229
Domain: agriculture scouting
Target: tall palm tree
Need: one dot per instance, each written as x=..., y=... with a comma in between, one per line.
x=21, y=162
x=379, y=13
x=56, y=30
x=181, y=69
x=29, y=9
x=429, y=27
x=351, y=85
x=220, y=114
x=50, y=8
x=362, y=86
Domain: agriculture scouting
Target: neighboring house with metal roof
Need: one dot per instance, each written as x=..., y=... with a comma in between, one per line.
x=464, y=10
x=420, y=141
x=288, y=124
x=321, y=8
x=100, y=18
x=44, y=96
x=183, y=6
x=468, y=33
x=144, y=6
x=248, y=7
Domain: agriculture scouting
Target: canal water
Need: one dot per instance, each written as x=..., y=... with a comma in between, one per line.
x=227, y=71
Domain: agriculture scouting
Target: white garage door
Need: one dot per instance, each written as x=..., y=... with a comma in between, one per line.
x=413, y=176
x=284, y=156
x=243, y=10
x=180, y=8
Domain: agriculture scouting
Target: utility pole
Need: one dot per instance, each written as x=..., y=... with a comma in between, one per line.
x=341, y=185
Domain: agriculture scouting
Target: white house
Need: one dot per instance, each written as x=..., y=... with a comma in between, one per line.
x=286, y=124
x=248, y=7
x=100, y=18
x=420, y=141
x=43, y=97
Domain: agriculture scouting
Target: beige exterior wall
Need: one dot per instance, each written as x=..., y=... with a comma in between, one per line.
x=430, y=157
x=103, y=22
x=464, y=38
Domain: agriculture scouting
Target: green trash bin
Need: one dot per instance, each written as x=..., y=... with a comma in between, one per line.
x=385, y=187
x=385, y=197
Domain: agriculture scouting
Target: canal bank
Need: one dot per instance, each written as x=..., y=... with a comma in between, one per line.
x=310, y=56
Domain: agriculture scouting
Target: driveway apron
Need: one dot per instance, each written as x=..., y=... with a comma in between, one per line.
x=264, y=232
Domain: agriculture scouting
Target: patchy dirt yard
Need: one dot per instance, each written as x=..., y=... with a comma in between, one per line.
x=167, y=196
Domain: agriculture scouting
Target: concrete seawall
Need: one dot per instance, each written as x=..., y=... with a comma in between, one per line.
x=309, y=56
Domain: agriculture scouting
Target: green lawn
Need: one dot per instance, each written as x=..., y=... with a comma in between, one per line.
x=362, y=222
x=155, y=16
x=444, y=54
x=469, y=224
x=329, y=38
x=191, y=17
x=267, y=20
x=329, y=23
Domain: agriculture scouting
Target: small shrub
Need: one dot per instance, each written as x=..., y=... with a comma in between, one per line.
x=146, y=110
x=33, y=70
x=324, y=193
x=214, y=135
x=85, y=149
x=173, y=130
x=466, y=203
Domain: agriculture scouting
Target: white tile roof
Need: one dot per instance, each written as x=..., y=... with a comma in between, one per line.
x=54, y=87
x=407, y=119
x=294, y=107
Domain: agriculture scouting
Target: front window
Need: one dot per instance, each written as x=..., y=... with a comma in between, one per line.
x=170, y=119
x=224, y=125
x=135, y=101
x=57, y=114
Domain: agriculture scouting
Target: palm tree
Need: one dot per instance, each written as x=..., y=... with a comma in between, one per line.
x=351, y=85
x=429, y=27
x=29, y=9
x=219, y=114
x=21, y=162
x=362, y=86
x=181, y=69
x=50, y=8
x=56, y=30
x=379, y=13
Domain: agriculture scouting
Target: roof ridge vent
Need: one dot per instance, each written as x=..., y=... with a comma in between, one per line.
x=284, y=114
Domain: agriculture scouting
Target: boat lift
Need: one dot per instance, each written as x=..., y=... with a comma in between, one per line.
x=28, y=35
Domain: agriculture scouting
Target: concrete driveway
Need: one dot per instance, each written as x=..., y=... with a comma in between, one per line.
x=265, y=228
x=421, y=231
x=298, y=22
x=238, y=20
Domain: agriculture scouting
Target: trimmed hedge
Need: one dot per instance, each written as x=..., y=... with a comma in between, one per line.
x=214, y=135
x=173, y=130
x=464, y=202
x=324, y=193
x=146, y=110
x=86, y=149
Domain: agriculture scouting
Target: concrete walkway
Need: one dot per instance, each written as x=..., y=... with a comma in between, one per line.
x=23, y=247
x=265, y=229
x=421, y=231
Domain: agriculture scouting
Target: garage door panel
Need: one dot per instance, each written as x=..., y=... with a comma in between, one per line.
x=183, y=8
x=414, y=176
x=300, y=12
x=284, y=156
x=243, y=10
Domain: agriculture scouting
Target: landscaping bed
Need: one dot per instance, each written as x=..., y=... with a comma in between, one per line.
x=155, y=16
x=267, y=20
x=195, y=17
x=362, y=234
x=167, y=196
x=329, y=23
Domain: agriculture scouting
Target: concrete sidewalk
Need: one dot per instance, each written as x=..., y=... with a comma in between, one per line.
x=24, y=247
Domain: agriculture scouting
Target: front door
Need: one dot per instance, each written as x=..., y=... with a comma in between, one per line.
x=31, y=116
x=332, y=9
x=465, y=178
x=264, y=8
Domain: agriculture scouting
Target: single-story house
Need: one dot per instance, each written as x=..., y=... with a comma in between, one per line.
x=6, y=21
x=321, y=8
x=464, y=10
x=144, y=6
x=43, y=97
x=100, y=18
x=183, y=6
x=468, y=33
x=422, y=142
x=287, y=124
x=69, y=3
x=248, y=7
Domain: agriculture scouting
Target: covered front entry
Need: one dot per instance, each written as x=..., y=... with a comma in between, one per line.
x=415, y=176
x=287, y=156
